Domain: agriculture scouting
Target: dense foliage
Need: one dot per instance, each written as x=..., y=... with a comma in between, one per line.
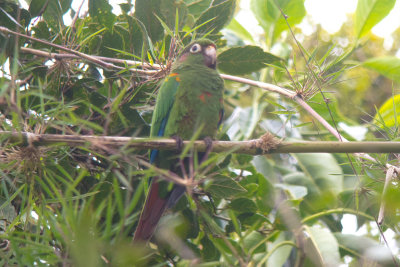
x=78, y=206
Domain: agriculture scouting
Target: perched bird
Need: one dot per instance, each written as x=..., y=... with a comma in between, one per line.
x=190, y=100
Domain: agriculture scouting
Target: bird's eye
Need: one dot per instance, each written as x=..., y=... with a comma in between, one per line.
x=196, y=48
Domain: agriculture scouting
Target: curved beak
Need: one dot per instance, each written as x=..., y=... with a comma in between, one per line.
x=210, y=54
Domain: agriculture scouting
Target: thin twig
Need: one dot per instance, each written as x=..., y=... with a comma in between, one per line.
x=82, y=55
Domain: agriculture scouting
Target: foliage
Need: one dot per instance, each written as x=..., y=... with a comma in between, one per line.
x=79, y=206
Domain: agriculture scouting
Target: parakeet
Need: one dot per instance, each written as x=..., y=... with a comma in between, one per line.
x=190, y=100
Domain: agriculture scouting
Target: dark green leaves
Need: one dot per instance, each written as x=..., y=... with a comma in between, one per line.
x=224, y=187
x=102, y=11
x=147, y=12
x=245, y=60
x=9, y=15
x=243, y=205
x=215, y=18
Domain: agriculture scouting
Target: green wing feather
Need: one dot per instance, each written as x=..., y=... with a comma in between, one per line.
x=164, y=102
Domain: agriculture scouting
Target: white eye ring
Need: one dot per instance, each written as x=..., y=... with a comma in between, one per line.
x=196, y=48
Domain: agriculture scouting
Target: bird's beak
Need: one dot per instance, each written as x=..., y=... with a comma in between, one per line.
x=211, y=56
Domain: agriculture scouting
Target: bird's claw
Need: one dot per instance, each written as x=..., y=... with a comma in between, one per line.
x=209, y=145
x=179, y=143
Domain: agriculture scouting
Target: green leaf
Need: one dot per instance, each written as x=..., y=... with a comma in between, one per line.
x=168, y=11
x=9, y=15
x=388, y=114
x=356, y=246
x=280, y=255
x=37, y=7
x=239, y=30
x=54, y=12
x=322, y=247
x=268, y=14
x=209, y=251
x=319, y=104
x=7, y=212
x=252, y=240
x=369, y=13
x=145, y=11
x=101, y=11
x=224, y=187
x=196, y=7
x=245, y=60
x=99, y=7
x=388, y=66
x=323, y=169
x=295, y=191
x=243, y=205
x=216, y=17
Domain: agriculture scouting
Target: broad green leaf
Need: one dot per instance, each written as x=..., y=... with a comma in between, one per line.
x=209, y=251
x=101, y=11
x=239, y=30
x=252, y=240
x=196, y=7
x=9, y=16
x=54, y=12
x=369, y=13
x=294, y=10
x=355, y=245
x=388, y=114
x=323, y=169
x=269, y=15
x=168, y=11
x=323, y=178
x=244, y=60
x=322, y=247
x=280, y=255
x=216, y=17
x=37, y=7
x=243, y=205
x=224, y=187
x=295, y=191
x=99, y=7
x=388, y=66
x=301, y=179
x=264, y=166
x=147, y=12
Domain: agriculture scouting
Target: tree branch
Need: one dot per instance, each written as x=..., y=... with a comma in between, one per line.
x=251, y=147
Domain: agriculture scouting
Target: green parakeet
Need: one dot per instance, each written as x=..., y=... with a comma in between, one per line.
x=190, y=100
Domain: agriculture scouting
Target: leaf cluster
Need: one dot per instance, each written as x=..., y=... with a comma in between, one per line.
x=79, y=206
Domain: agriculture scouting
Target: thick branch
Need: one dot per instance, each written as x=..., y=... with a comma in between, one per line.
x=252, y=147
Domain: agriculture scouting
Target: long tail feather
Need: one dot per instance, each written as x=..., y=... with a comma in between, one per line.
x=151, y=214
x=154, y=208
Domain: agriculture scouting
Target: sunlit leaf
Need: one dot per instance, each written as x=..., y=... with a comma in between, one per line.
x=369, y=13
x=269, y=15
x=386, y=66
x=322, y=247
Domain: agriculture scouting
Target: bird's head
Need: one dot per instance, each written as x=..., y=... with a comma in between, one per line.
x=202, y=51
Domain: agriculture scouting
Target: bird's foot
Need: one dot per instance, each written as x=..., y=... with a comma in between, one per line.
x=209, y=145
x=179, y=143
